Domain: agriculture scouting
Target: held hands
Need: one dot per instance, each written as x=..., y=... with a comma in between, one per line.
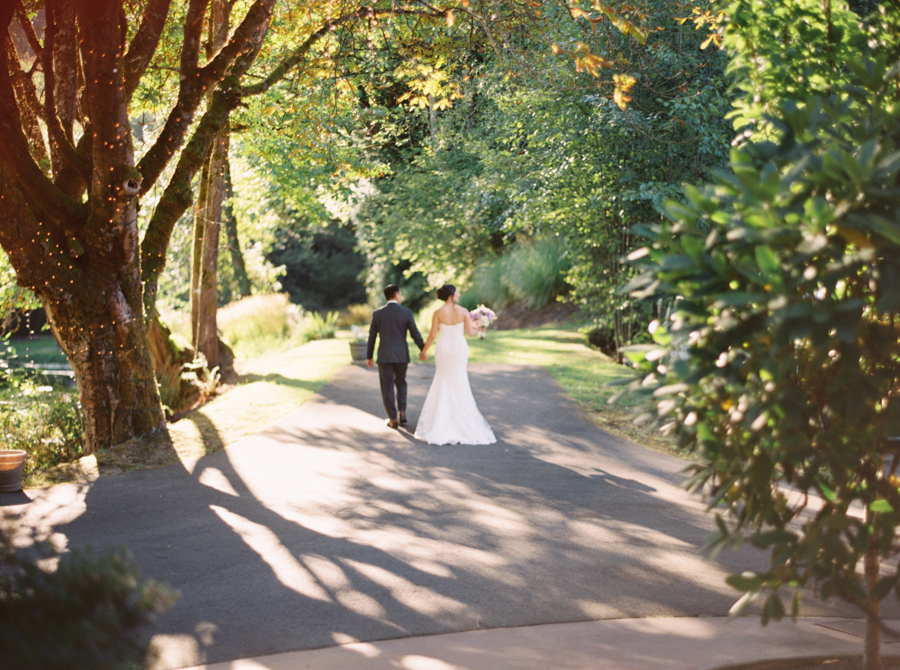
x=423, y=356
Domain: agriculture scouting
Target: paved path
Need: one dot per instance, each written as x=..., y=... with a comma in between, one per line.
x=329, y=528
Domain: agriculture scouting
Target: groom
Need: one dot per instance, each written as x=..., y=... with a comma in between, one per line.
x=391, y=323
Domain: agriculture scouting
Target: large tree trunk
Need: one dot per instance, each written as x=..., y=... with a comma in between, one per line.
x=100, y=326
x=68, y=211
x=81, y=258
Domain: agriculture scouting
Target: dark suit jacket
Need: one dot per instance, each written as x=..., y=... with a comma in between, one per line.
x=389, y=324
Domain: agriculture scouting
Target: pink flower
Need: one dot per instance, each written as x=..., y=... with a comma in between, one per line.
x=482, y=316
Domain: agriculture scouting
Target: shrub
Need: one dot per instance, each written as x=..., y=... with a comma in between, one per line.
x=321, y=268
x=88, y=612
x=356, y=315
x=319, y=327
x=780, y=365
x=529, y=272
x=423, y=318
x=258, y=323
x=43, y=421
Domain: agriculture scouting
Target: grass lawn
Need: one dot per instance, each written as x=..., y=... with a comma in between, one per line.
x=40, y=349
x=583, y=373
x=274, y=385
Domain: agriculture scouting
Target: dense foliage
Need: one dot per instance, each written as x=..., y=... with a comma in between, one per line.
x=88, y=611
x=534, y=148
x=322, y=268
x=780, y=362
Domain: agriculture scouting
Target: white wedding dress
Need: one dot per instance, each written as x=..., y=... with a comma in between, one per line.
x=450, y=415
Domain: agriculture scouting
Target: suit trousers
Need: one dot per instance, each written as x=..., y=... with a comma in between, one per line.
x=391, y=375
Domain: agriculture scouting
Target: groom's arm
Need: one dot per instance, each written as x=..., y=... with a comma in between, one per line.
x=417, y=338
x=370, y=346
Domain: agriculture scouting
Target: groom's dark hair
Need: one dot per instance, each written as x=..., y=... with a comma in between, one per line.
x=391, y=291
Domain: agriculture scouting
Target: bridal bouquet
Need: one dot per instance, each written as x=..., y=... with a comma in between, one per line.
x=482, y=317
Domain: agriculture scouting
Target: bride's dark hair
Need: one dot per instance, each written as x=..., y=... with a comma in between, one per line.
x=446, y=291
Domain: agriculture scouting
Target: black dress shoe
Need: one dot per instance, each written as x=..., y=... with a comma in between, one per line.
x=403, y=418
x=391, y=423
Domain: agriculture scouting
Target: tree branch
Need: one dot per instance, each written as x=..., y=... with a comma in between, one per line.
x=109, y=234
x=20, y=235
x=144, y=44
x=27, y=28
x=178, y=195
x=19, y=164
x=60, y=146
x=298, y=54
x=189, y=96
x=195, y=82
x=65, y=68
x=29, y=105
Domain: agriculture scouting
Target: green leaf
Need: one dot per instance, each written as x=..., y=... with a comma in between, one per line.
x=767, y=261
x=739, y=299
x=777, y=536
x=746, y=581
x=773, y=609
x=679, y=211
x=693, y=246
x=827, y=492
x=881, y=506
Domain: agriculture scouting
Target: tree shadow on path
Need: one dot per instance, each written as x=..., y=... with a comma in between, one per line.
x=329, y=527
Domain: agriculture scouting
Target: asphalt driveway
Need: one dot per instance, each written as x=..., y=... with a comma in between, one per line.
x=331, y=528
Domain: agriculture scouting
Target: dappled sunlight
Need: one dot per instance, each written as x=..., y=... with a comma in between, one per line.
x=50, y=508
x=215, y=479
x=330, y=528
x=416, y=662
x=406, y=592
x=267, y=546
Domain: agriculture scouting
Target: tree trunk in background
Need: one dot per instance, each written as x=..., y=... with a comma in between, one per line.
x=197, y=252
x=872, y=648
x=231, y=234
x=208, y=217
x=206, y=338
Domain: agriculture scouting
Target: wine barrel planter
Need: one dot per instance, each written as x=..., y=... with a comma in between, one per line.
x=358, y=351
x=12, y=467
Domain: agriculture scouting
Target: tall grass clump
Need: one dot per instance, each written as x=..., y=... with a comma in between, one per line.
x=529, y=272
x=319, y=326
x=259, y=323
x=488, y=284
x=355, y=315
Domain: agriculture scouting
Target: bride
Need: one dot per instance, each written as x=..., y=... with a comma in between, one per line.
x=449, y=415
